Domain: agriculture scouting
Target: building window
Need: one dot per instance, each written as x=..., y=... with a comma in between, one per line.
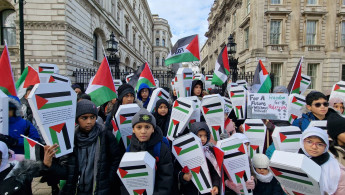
x=343, y=33
x=163, y=42
x=246, y=38
x=275, y=33
x=118, y=14
x=127, y=32
x=8, y=27
x=163, y=32
x=343, y=2
x=248, y=6
x=311, y=32
x=234, y=21
x=312, y=72
x=157, y=42
x=139, y=46
x=157, y=61
x=157, y=32
x=312, y=2
x=343, y=72
x=243, y=69
x=163, y=61
x=275, y=2
x=95, y=49
x=276, y=69
x=134, y=39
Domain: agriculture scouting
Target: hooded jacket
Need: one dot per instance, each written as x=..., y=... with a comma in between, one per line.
x=306, y=118
x=141, y=87
x=194, y=83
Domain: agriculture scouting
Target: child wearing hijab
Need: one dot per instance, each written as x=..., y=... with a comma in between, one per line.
x=337, y=104
x=144, y=94
x=314, y=144
x=197, y=88
x=162, y=114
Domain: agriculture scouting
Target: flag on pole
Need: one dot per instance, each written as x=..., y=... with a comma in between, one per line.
x=6, y=75
x=101, y=87
x=262, y=81
x=28, y=77
x=295, y=82
x=184, y=50
x=222, y=68
x=31, y=149
x=145, y=77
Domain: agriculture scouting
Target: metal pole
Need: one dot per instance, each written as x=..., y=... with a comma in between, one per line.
x=21, y=35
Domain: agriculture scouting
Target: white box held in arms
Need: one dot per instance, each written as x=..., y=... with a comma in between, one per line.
x=286, y=138
x=157, y=94
x=183, y=82
x=3, y=113
x=255, y=130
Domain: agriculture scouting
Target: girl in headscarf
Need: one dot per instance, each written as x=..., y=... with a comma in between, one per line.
x=162, y=114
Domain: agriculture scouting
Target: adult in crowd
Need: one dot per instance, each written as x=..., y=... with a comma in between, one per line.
x=336, y=131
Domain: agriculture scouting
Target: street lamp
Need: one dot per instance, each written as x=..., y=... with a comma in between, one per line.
x=233, y=62
x=112, y=48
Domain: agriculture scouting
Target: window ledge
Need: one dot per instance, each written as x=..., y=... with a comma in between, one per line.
x=243, y=51
x=313, y=47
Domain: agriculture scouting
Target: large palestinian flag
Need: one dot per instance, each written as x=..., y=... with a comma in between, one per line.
x=222, y=69
x=101, y=87
x=295, y=82
x=184, y=50
x=145, y=77
x=28, y=77
x=262, y=81
x=6, y=75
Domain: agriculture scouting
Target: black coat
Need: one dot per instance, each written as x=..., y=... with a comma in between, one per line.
x=272, y=188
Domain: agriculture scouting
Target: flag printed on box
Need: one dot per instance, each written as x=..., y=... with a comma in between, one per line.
x=145, y=77
x=181, y=113
x=238, y=98
x=184, y=50
x=255, y=130
x=196, y=113
x=222, y=68
x=28, y=77
x=236, y=162
x=287, y=138
x=172, y=83
x=54, y=107
x=117, y=83
x=56, y=78
x=46, y=70
x=184, y=79
x=262, y=81
x=231, y=84
x=3, y=113
x=228, y=103
x=123, y=118
x=297, y=173
x=208, y=83
x=305, y=82
x=295, y=105
x=319, y=124
x=6, y=76
x=157, y=94
x=242, y=83
x=200, y=77
x=212, y=107
x=189, y=152
x=338, y=90
x=116, y=131
x=31, y=150
x=137, y=172
x=295, y=82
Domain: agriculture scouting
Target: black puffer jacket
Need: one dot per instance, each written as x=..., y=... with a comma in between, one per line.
x=164, y=171
x=107, y=165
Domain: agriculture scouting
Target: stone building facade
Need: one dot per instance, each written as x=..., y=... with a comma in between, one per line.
x=280, y=32
x=162, y=42
x=71, y=33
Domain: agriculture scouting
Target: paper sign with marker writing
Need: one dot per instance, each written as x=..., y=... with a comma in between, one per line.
x=236, y=162
x=338, y=90
x=295, y=105
x=54, y=106
x=123, y=118
x=255, y=130
x=286, y=138
x=197, y=112
x=212, y=107
x=46, y=70
x=272, y=106
x=3, y=113
x=296, y=173
x=157, y=94
x=137, y=172
x=184, y=81
x=117, y=83
x=320, y=124
x=181, y=113
x=208, y=82
x=305, y=82
x=189, y=152
x=56, y=78
x=238, y=98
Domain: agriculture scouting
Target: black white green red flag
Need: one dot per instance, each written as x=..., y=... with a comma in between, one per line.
x=295, y=82
x=262, y=81
x=222, y=68
x=145, y=77
x=28, y=77
x=6, y=75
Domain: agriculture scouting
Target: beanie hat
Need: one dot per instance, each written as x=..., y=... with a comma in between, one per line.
x=74, y=86
x=143, y=116
x=260, y=161
x=124, y=89
x=335, y=126
x=85, y=107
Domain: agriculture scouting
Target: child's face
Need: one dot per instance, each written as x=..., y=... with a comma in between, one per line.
x=339, y=107
x=203, y=136
x=10, y=112
x=144, y=93
x=143, y=131
x=314, y=146
x=162, y=110
x=318, y=108
x=197, y=90
x=87, y=122
x=262, y=171
x=128, y=99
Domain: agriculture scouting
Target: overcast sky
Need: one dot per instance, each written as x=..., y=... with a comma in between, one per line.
x=185, y=17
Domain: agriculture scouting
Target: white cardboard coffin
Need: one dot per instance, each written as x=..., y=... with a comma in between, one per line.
x=238, y=97
x=117, y=83
x=230, y=84
x=128, y=77
x=208, y=83
x=137, y=172
x=199, y=76
x=338, y=90
x=197, y=112
x=189, y=152
x=173, y=83
x=157, y=82
x=296, y=172
x=157, y=94
x=3, y=113
x=320, y=124
x=295, y=105
x=305, y=82
x=236, y=161
x=242, y=83
x=287, y=138
x=123, y=118
x=54, y=106
x=56, y=78
x=213, y=111
x=255, y=130
x=181, y=113
x=228, y=103
x=184, y=82
x=45, y=70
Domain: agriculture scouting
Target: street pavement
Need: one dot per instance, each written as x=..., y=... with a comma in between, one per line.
x=40, y=188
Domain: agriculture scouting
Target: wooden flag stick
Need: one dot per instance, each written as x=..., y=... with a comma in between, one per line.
x=32, y=140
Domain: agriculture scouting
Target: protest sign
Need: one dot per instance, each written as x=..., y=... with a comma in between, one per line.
x=268, y=106
x=286, y=138
x=338, y=90
x=255, y=130
x=123, y=118
x=117, y=83
x=208, y=82
x=54, y=106
x=128, y=77
x=156, y=82
x=184, y=79
x=137, y=172
x=295, y=105
x=320, y=124
x=181, y=113
x=3, y=113
x=213, y=111
x=196, y=114
x=238, y=96
x=189, y=153
x=46, y=70
x=305, y=82
x=228, y=103
x=56, y=78
x=236, y=162
x=296, y=173
x=157, y=94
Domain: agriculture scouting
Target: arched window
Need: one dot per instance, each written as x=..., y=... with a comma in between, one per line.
x=157, y=42
x=163, y=61
x=163, y=42
x=157, y=61
x=95, y=46
x=8, y=27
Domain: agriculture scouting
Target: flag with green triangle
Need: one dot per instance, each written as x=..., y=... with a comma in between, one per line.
x=145, y=77
x=6, y=76
x=28, y=77
x=295, y=82
x=262, y=81
x=222, y=69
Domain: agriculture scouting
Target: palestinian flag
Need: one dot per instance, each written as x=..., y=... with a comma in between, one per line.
x=116, y=131
x=216, y=131
x=253, y=149
x=292, y=118
x=146, y=77
x=219, y=154
x=163, y=95
x=200, y=178
x=254, y=127
x=31, y=149
x=262, y=81
x=293, y=176
x=290, y=136
x=339, y=88
x=222, y=69
x=6, y=76
x=191, y=122
x=59, y=135
x=237, y=94
x=241, y=83
x=298, y=101
x=228, y=103
x=28, y=77
x=140, y=192
x=295, y=82
x=212, y=108
x=133, y=171
x=305, y=80
x=173, y=127
x=53, y=100
x=101, y=87
x=209, y=77
x=126, y=118
x=46, y=69
x=55, y=78
x=234, y=150
x=239, y=112
x=186, y=146
x=181, y=106
x=184, y=50
x=319, y=124
x=241, y=177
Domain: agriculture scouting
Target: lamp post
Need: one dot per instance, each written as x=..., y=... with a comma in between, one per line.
x=233, y=62
x=112, y=48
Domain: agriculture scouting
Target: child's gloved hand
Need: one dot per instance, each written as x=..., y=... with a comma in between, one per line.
x=233, y=186
x=250, y=184
x=187, y=176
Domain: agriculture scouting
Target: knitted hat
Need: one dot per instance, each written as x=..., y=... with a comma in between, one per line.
x=124, y=89
x=335, y=126
x=260, y=161
x=74, y=86
x=143, y=116
x=85, y=107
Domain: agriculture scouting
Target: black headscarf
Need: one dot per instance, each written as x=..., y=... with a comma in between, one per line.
x=162, y=121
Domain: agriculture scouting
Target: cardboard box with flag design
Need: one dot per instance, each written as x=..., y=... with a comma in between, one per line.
x=184, y=81
x=46, y=70
x=320, y=124
x=338, y=90
x=3, y=113
x=208, y=83
x=238, y=98
x=157, y=94
x=286, y=138
x=255, y=130
x=295, y=105
x=197, y=112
